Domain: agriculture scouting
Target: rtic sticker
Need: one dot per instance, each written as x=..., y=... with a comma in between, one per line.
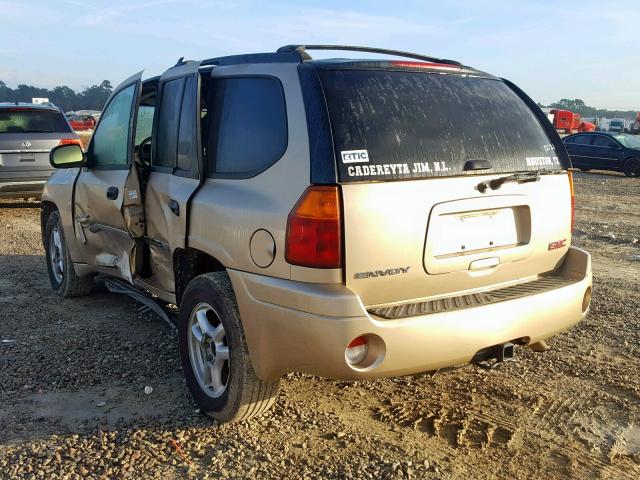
x=558, y=244
x=354, y=156
x=133, y=194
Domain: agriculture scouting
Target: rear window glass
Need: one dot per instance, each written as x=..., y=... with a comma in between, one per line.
x=629, y=141
x=391, y=125
x=32, y=121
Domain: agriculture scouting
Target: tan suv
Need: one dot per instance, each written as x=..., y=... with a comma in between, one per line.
x=346, y=218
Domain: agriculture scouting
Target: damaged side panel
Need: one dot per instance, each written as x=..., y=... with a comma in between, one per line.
x=102, y=229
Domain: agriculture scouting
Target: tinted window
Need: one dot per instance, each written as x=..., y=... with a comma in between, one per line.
x=602, y=141
x=582, y=140
x=167, y=137
x=22, y=120
x=247, y=131
x=111, y=140
x=187, y=138
x=394, y=125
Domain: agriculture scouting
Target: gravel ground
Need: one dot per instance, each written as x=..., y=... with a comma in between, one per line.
x=73, y=375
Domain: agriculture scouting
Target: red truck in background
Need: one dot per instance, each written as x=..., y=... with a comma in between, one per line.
x=586, y=126
x=82, y=122
x=568, y=122
x=562, y=120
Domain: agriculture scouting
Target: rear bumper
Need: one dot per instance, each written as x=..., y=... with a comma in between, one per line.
x=17, y=186
x=293, y=326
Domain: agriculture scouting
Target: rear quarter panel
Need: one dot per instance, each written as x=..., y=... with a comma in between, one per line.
x=225, y=213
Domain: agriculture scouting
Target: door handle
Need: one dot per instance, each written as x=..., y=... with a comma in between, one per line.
x=112, y=193
x=174, y=207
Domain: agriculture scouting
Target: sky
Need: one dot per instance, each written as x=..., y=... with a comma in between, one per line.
x=551, y=49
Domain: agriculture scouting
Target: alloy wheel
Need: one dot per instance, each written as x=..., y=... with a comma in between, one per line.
x=208, y=350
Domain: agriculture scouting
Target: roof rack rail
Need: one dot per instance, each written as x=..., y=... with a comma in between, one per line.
x=271, y=57
x=301, y=49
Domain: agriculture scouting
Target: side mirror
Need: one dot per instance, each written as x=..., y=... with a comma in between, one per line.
x=67, y=156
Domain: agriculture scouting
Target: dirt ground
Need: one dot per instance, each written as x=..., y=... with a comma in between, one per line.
x=73, y=375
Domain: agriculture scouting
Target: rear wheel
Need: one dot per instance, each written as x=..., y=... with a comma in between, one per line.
x=214, y=353
x=631, y=167
x=62, y=275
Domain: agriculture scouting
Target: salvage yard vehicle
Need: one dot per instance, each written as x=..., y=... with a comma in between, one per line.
x=82, y=122
x=617, y=152
x=28, y=132
x=616, y=125
x=346, y=218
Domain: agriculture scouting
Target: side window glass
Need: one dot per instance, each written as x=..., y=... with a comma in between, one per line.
x=110, y=144
x=187, y=136
x=248, y=128
x=167, y=136
x=582, y=140
x=604, y=142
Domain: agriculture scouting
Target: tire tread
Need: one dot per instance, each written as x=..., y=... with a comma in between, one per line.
x=256, y=395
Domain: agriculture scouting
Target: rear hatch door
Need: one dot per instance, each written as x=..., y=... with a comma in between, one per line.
x=416, y=153
x=27, y=135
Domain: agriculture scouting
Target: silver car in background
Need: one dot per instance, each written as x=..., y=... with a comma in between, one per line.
x=27, y=133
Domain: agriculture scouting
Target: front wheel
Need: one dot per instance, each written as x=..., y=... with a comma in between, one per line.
x=62, y=275
x=214, y=354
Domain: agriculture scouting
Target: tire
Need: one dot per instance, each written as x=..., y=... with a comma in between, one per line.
x=210, y=334
x=62, y=275
x=631, y=167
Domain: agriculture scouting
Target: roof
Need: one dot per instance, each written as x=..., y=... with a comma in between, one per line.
x=35, y=106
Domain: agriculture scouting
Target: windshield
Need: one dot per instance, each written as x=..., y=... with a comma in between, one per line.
x=391, y=125
x=615, y=123
x=629, y=141
x=26, y=120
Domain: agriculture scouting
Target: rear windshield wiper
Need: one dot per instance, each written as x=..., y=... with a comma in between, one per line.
x=522, y=177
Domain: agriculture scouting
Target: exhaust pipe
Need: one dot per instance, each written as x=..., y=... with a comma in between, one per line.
x=501, y=353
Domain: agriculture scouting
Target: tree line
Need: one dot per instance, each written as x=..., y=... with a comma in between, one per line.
x=95, y=96
x=91, y=98
x=578, y=106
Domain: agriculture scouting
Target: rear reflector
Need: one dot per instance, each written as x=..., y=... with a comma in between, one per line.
x=70, y=141
x=573, y=200
x=314, y=229
x=439, y=66
x=357, y=351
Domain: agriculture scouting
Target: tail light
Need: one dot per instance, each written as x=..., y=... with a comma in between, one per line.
x=314, y=229
x=573, y=200
x=70, y=141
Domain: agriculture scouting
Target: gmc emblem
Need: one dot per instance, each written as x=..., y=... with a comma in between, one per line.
x=558, y=244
